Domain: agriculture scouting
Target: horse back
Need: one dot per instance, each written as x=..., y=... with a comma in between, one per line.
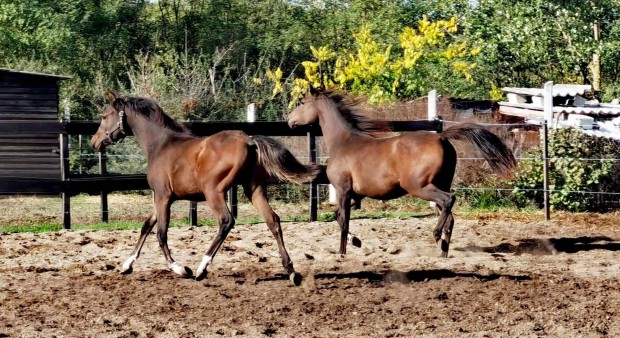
x=189, y=167
x=378, y=168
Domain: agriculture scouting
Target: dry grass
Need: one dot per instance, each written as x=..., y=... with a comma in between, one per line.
x=85, y=210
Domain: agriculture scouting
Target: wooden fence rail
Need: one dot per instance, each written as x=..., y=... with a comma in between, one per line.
x=68, y=185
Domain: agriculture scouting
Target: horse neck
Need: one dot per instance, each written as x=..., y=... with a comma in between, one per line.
x=334, y=127
x=151, y=135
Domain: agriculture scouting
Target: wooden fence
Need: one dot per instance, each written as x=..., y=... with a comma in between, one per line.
x=103, y=183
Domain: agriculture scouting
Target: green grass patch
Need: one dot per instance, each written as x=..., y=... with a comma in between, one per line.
x=131, y=225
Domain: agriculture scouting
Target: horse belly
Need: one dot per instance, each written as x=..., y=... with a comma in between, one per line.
x=377, y=186
x=183, y=181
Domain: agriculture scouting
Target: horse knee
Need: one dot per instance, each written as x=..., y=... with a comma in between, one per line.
x=227, y=223
x=446, y=203
x=162, y=238
x=451, y=201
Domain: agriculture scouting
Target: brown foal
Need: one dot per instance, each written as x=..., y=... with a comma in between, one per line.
x=420, y=164
x=182, y=166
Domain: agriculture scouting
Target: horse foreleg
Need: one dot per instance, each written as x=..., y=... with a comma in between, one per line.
x=163, y=220
x=351, y=238
x=146, y=229
x=259, y=199
x=343, y=215
x=226, y=222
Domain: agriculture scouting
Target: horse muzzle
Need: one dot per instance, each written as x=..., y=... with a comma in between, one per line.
x=99, y=143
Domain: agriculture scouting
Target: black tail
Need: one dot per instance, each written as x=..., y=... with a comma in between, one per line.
x=490, y=146
x=280, y=163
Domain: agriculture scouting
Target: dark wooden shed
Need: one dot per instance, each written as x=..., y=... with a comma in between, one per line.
x=29, y=145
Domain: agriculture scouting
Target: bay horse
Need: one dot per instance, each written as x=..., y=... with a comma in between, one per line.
x=181, y=166
x=421, y=164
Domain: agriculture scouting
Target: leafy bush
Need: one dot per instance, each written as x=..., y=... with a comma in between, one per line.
x=430, y=56
x=575, y=174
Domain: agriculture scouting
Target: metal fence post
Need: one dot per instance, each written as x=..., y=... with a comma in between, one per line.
x=548, y=113
x=546, y=170
x=232, y=200
x=64, y=177
x=103, y=170
x=314, y=196
x=193, y=213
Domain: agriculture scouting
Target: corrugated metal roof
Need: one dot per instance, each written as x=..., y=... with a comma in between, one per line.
x=533, y=112
x=562, y=90
x=604, y=110
x=12, y=71
x=606, y=129
x=607, y=110
x=559, y=90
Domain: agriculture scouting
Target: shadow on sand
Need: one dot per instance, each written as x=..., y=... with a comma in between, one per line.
x=395, y=276
x=549, y=246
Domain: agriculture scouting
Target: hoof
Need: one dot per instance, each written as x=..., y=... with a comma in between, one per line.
x=188, y=272
x=201, y=275
x=296, y=278
x=181, y=270
x=443, y=245
x=356, y=242
x=127, y=271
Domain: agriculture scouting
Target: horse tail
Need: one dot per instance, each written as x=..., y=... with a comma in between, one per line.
x=280, y=163
x=494, y=151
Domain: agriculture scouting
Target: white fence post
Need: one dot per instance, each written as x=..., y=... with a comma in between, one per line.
x=332, y=195
x=432, y=105
x=548, y=102
x=251, y=112
x=432, y=115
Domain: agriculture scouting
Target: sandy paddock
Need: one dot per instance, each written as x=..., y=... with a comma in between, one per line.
x=503, y=278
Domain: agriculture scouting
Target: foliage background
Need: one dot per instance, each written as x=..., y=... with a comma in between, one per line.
x=207, y=59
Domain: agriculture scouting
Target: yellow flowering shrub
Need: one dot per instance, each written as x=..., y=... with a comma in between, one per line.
x=275, y=76
x=373, y=69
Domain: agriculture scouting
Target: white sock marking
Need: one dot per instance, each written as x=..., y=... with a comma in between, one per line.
x=203, y=265
x=129, y=262
x=178, y=268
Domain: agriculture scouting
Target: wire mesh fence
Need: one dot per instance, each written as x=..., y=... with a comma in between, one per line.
x=475, y=183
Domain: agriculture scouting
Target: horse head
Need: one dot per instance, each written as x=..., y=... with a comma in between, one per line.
x=308, y=112
x=113, y=127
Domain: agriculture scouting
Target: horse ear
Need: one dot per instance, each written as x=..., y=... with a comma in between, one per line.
x=313, y=91
x=111, y=96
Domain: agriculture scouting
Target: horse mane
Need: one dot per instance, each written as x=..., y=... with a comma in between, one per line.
x=151, y=110
x=352, y=113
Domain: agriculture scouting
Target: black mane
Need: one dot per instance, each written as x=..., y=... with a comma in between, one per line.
x=351, y=112
x=151, y=110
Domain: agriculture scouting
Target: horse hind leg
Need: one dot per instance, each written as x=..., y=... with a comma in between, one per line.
x=226, y=222
x=147, y=227
x=258, y=196
x=444, y=202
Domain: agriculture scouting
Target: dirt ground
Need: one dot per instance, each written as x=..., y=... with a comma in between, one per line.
x=502, y=278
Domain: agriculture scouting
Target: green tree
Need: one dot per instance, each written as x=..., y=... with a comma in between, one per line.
x=527, y=43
